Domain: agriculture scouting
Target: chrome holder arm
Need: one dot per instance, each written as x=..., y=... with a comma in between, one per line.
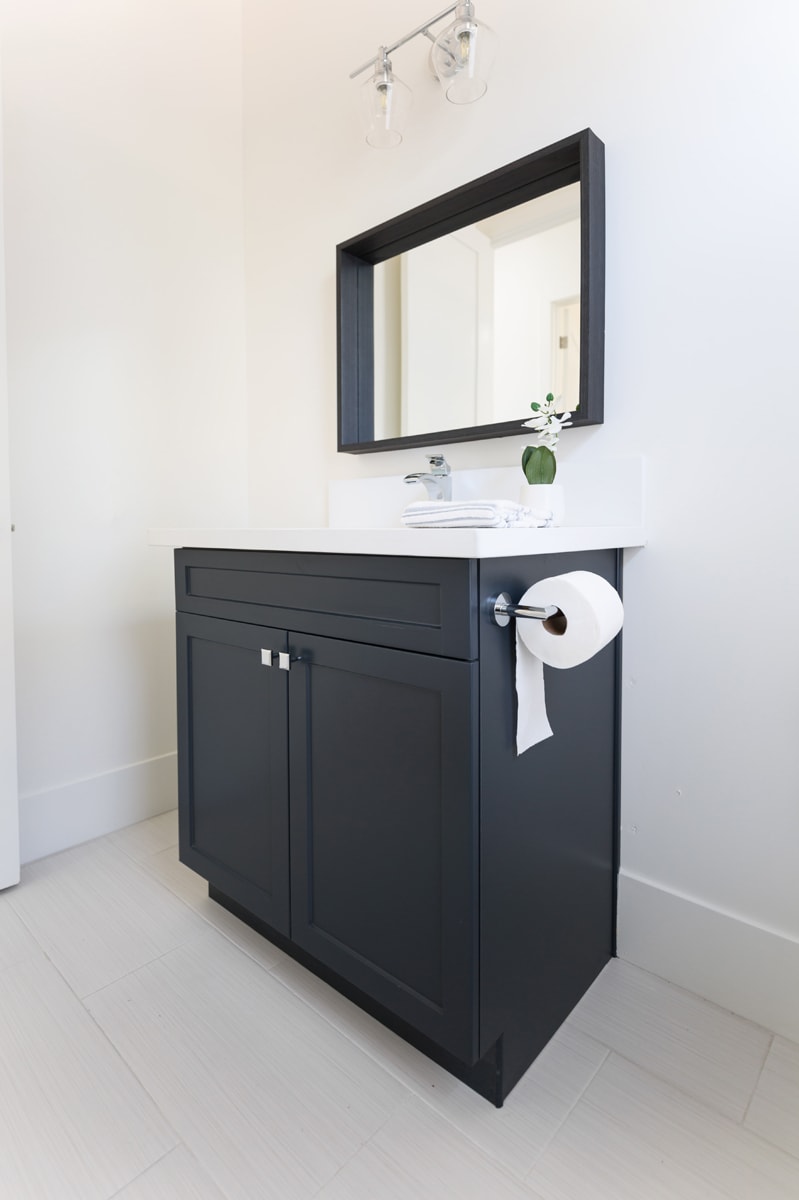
x=502, y=610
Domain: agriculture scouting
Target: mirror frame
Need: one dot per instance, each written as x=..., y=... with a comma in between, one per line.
x=580, y=158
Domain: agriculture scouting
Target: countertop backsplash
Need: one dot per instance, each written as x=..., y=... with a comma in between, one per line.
x=606, y=492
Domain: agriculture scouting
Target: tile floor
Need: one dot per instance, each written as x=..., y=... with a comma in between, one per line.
x=154, y=1048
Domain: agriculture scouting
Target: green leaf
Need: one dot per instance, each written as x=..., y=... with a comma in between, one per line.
x=539, y=464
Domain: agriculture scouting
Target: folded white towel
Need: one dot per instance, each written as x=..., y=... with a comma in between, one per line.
x=471, y=514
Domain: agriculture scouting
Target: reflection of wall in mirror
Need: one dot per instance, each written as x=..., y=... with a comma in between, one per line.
x=387, y=342
x=530, y=277
x=468, y=327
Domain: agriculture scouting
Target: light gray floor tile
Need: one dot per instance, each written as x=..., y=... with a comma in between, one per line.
x=98, y=915
x=278, y=1086
x=704, y=1050
x=170, y=871
x=74, y=1122
x=178, y=1176
x=16, y=944
x=193, y=891
x=270, y=1099
x=774, y=1111
x=634, y=1137
x=516, y=1134
x=414, y=1069
x=420, y=1156
x=148, y=837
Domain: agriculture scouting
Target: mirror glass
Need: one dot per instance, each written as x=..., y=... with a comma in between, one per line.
x=455, y=316
x=470, y=327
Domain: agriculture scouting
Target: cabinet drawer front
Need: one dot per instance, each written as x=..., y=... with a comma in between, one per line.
x=408, y=603
x=384, y=829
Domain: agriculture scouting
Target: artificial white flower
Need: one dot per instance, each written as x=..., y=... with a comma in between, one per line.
x=548, y=423
x=538, y=463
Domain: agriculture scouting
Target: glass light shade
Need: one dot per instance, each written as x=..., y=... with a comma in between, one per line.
x=462, y=56
x=386, y=103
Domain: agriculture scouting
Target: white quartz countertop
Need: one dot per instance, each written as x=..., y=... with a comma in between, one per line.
x=416, y=543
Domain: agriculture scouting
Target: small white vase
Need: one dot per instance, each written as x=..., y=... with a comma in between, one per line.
x=546, y=500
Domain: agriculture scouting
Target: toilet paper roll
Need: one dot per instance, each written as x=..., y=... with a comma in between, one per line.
x=590, y=615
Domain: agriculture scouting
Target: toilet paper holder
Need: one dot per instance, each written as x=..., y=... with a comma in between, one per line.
x=501, y=610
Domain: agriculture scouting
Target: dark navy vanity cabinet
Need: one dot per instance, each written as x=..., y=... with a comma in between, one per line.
x=349, y=786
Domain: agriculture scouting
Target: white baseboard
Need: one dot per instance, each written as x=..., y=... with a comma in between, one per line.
x=743, y=967
x=65, y=816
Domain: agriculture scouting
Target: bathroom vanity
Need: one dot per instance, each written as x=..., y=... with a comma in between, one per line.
x=348, y=776
x=349, y=783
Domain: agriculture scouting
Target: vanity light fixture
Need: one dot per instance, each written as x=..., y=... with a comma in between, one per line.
x=460, y=58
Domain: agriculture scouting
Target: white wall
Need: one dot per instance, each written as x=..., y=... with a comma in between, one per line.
x=696, y=105
x=9, y=808
x=123, y=193
x=128, y=407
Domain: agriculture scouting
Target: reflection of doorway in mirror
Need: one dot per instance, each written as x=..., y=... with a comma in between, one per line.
x=532, y=273
x=566, y=352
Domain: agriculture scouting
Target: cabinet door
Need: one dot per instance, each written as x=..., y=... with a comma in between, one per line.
x=384, y=828
x=232, y=762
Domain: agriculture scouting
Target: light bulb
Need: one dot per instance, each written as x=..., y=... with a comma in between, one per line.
x=462, y=56
x=386, y=101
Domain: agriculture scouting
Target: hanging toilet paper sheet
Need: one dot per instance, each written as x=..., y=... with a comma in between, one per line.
x=590, y=615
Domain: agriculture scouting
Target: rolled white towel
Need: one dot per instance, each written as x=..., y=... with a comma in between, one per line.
x=470, y=514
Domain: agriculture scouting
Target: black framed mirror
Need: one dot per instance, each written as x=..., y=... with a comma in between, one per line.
x=404, y=380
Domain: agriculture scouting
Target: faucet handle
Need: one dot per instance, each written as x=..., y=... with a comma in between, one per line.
x=438, y=461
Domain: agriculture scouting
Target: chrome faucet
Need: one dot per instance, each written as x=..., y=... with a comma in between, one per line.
x=437, y=481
